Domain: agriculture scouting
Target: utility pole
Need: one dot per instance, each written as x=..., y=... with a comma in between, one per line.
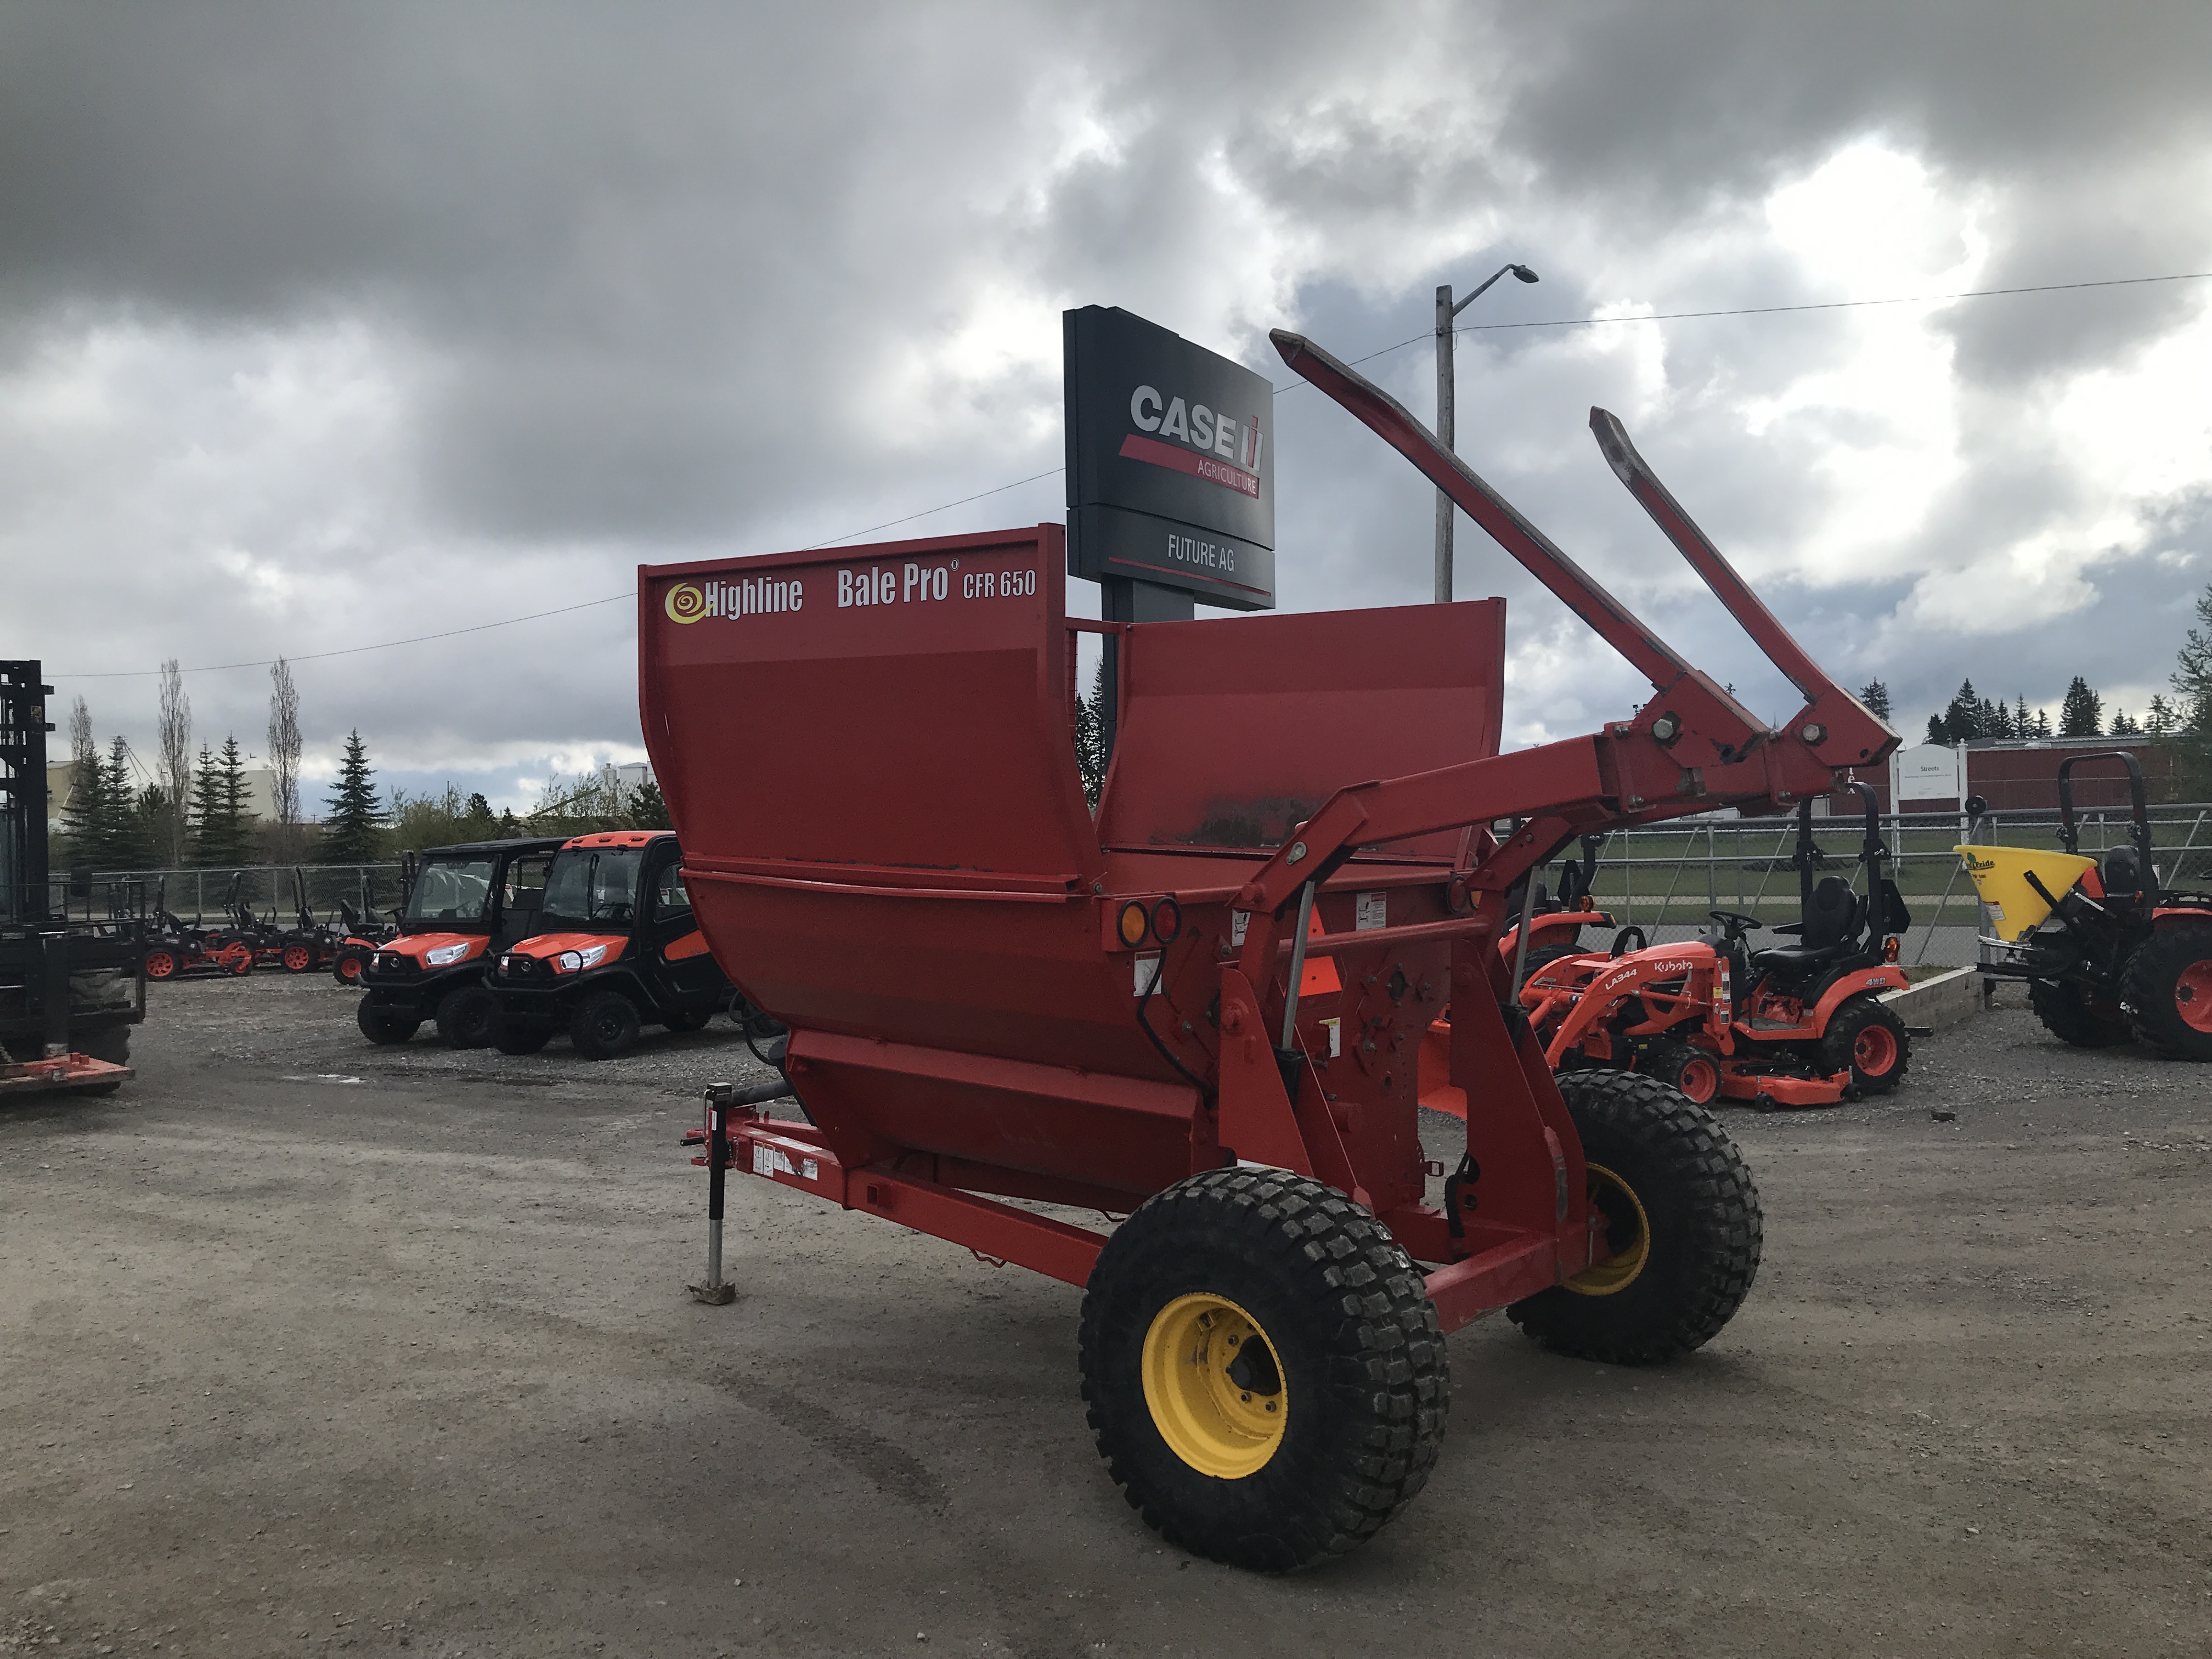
x=1446, y=416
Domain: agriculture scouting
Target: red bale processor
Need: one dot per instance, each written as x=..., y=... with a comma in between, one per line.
x=1202, y=1009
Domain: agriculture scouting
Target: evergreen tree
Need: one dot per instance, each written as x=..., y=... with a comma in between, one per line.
x=354, y=815
x=1091, y=756
x=647, y=810
x=156, y=827
x=206, y=802
x=222, y=823
x=477, y=821
x=103, y=820
x=1996, y=719
x=1875, y=696
x=1936, y=733
x=2043, y=722
x=2159, y=722
x=2123, y=725
x=2023, y=723
x=2082, y=713
x=2192, y=673
x=1962, y=720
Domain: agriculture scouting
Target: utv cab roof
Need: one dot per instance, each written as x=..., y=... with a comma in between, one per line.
x=619, y=838
x=522, y=844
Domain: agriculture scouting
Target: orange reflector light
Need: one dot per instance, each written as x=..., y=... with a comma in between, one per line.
x=1133, y=923
x=1589, y=903
x=1889, y=951
x=1167, y=920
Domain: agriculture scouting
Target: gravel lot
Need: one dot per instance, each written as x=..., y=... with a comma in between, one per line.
x=307, y=1345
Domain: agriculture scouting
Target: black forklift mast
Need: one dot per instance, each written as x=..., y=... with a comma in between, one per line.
x=23, y=806
x=31, y=955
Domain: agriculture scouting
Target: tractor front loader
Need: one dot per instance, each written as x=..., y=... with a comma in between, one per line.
x=2108, y=951
x=1200, y=1009
x=1800, y=1024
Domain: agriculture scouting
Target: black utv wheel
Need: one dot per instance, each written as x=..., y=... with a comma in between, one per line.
x=1263, y=1369
x=693, y=1021
x=2165, y=991
x=385, y=1026
x=603, y=1025
x=1869, y=1040
x=2073, y=1013
x=468, y=1017
x=1682, y=1223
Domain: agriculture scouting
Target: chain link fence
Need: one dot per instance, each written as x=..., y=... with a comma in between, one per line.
x=200, y=896
x=1668, y=877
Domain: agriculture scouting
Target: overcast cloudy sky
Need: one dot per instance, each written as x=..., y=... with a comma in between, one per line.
x=323, y=326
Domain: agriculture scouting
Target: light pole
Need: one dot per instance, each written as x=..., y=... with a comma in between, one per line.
x=1445, y=312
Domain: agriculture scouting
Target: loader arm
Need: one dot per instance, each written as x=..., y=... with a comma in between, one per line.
x=1709, y=727
x=1848, y=732
x=1691, y=749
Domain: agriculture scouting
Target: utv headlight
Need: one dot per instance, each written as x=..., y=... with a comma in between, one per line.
x=447, y=955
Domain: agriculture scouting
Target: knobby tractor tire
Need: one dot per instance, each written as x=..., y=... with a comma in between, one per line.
x=384, y=1025
x=2165, y=990
x=1683, y=1227
x=1263, y=1369
x=603, y=1025
x=1871, y=1041
x=468, y=1017
x=2071, y=1013
x=109, y=1043
x=1695, y=1073
x=522, y=1036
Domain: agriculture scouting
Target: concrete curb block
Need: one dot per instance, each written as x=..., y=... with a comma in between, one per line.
x=1936, y=1003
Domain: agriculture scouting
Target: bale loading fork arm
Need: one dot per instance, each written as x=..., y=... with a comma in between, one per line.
x=1692, y=748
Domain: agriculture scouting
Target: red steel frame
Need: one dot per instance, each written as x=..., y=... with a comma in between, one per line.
x=963, y=1030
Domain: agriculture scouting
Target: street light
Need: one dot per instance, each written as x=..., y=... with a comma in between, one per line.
x=1445, y=312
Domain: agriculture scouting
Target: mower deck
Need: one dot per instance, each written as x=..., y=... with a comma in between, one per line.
x=68, y=1072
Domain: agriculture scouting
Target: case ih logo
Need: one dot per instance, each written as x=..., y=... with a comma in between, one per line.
x=689, y=602
x=1208, y=435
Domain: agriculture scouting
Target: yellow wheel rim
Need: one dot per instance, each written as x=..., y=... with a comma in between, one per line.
x=1627, y=1231
x=1214, y=1385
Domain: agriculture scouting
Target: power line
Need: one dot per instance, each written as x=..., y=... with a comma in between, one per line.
x=1295, y=386
x=1769, y=311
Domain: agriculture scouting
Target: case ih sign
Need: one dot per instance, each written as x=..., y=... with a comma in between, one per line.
x=1170, y=476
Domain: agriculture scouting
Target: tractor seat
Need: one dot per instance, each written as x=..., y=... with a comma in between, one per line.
x=2121, y=872
x=1830, y=930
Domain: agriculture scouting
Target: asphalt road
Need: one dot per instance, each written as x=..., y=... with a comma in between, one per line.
x=292, y=1362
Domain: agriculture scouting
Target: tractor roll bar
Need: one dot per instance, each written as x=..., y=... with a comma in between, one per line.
x=2138, y=801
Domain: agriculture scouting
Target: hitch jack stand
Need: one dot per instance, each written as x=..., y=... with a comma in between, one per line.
x=714, y=1289
x=721, y=1097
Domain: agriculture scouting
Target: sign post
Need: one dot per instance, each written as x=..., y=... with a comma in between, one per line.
x=1170, y=475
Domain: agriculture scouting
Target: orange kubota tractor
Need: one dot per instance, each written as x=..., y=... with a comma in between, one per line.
x=1798, y=1024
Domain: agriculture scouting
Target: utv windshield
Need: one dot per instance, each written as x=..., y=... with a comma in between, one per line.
x=452, y=890
x=591, y=887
